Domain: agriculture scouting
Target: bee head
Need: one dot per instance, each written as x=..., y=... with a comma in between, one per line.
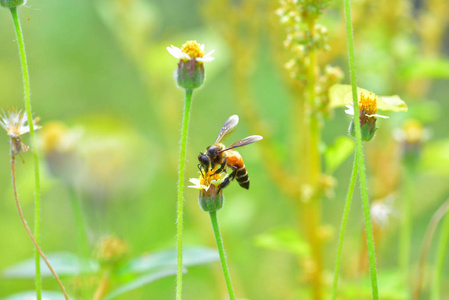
x=204, y=160
x=212, y=151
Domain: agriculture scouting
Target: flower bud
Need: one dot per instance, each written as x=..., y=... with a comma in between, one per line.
x=190, y=74
x=211, y=200
x=368, y=129
x=12, y=3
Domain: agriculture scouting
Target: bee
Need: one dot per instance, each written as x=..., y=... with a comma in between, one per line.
x=220, y=155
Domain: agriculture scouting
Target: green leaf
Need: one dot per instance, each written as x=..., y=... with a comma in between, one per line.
x=168, y=257
x=283, y=239
x=64, y=263
x=337, y=153
x=341, y=95
x=426, y=68
x=142, y=281
x=47, y=295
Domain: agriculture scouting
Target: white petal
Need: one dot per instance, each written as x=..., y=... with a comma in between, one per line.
x=202, y=47
x=350, y=110
x=195, y=187
x=195, y=181
x=217, y=182
x=177, y=53
x=209, y=53
x=174, y=51
x=205, y=59
x=378, y=116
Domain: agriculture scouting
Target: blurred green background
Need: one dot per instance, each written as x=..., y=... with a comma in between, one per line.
x=101, y=68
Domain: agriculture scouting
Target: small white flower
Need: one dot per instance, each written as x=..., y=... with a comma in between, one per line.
x=381, y=212
x=15, y=123
x=191, y=50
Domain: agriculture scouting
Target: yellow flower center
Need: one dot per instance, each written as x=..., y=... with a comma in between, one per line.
x=193, y=49
x=414, y=132
x=209, y=176
x=368, y=103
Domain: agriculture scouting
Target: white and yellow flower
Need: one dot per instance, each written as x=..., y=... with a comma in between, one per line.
x=191, y=50
x=210, y=196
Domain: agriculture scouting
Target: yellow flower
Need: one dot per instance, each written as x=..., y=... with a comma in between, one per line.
x=367, y=107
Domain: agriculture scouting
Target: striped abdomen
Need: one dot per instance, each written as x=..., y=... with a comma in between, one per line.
x=235, y=162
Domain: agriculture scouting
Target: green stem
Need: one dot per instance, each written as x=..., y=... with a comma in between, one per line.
x=182, y=161
x=406, y=225
x=359, y=153
x=80, y=222
x=37, y=198
x=343, y=228
x=443, y=244
x=224, y=265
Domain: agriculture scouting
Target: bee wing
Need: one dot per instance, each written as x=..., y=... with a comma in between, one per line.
x=227, y=128
x=246, y=141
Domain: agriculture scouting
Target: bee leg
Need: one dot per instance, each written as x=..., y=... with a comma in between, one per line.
x=227, y=180
x=201, y=170
x=222, y=166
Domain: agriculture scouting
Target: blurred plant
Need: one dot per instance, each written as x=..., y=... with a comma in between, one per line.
x=13, y=6
x=111, y=271
x=189, y=76
x=442, y=247
x=110, y=253
x=16, y=125
x=428, y=238
x=411, y=137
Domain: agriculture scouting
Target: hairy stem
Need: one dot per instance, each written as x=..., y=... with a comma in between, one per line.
x=19, y=209
x=343, y=228
x=182, y=161
x=37, y=194
x=442, y=247
x=359, y=154
x=224, y=265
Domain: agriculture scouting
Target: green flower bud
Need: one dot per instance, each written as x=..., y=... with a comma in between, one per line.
x=212, y=199
x=368, y=129
x=190, y=74
x=12, y=3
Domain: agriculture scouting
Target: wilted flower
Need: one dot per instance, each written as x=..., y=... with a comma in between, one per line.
x=190, y=72
x=15, y=124
x=111, y=250
x=367, y=114
x=210, y=197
